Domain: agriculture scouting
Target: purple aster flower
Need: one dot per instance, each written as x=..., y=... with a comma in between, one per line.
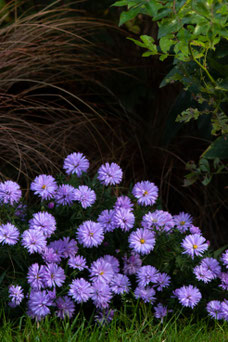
x=224, y=281
x=33, y=240
x=132, y=264
x=59, y=248
x=77, y=262
x=106, y=220
x=49, y=256
x=224, y=306
x=212, y=265
x=44, y=186
x=101, y=294
x=51, y=294
x=51, y=205
x=110, y=174
x=16, y=295
x=202, y=273
x=214, y=309
x=104, y=316
x=120, y=284
x=54, y=275
x=77, y=163
x=224, y=258
x=147, y=274
x=163, y=280
x=146, y=294
x=113, y=262
x=20, y=211
x=188, y=296
x=44, y=222
x=145, y=192
x=160, y=311
x=101, y=270
x=36, y=276
x=69, y=246
x=90, y=234
x=194, y=245
x=194, y=230
x=124, y=219
x=80, y=290
x=159, y=219
x=182, y=221
x=142, y=241
x=9, y=234
x=123, y=202
x=65, y=194
x=65, y=306
x=85, y=196
x=10, y=192
x=38, y=304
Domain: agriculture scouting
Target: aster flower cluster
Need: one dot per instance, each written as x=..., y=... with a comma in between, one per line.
x=85, y=245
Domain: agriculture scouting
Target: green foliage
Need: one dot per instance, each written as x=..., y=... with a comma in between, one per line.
x=194, y=33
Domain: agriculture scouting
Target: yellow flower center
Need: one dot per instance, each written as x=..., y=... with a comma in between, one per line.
x=101, y=273
x=182, y=223
x=195, y=246
x=145, y=193
x=44, y=187
x=142, y=241
x=91, y=234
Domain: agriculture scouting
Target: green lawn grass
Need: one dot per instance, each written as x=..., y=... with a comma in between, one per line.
x=122, y=328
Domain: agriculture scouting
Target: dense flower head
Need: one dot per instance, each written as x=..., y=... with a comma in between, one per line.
x=160, y=311
x=224, y=280
x=54, y=275
x=45, y=186
x=214, y=309
x=224, y=306
x=80, y=290
x=132, y=264
x=10, y=192
x=142, y=241
x=146, y=275
x=16, y=295
x=147, y=294
x=163, y=280
x=69, y=247
x=77, y=262
x=159, y=219
x=183, y=221
x=123, y=202
x=33, y=240
x=146, y=192
x=9, y=234
x=212, y=265
x=106, y=220
x=85, y=196
x=101, y=270
x=124, y=219
x=65, y=194
x=65, y=307
x=110, y=174
x=114, y=262
x=194, y=230
x=36, y=277
x=188, y=296
x=20, y=211
x=224, y=258
x=44, y=222
x=120, y=284
x=202, y=273
x=194, y=244
x=101, y=294
x=52, y=254
x=39, y=303
x=90, y=234
x=75, y=163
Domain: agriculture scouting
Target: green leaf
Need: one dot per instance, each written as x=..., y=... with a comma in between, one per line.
x=147, y=40
x=152, y=8
x=137, y=42
x=218, y=149
x=169, y=27
x=163, y=57
x=126, y=16
x=204, y=165
x=219, y=251
x=120, y=3
x=206, y=180
x=148, y=54
x=165, y=43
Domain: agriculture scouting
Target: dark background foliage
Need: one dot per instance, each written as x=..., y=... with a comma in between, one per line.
x=71, y=81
